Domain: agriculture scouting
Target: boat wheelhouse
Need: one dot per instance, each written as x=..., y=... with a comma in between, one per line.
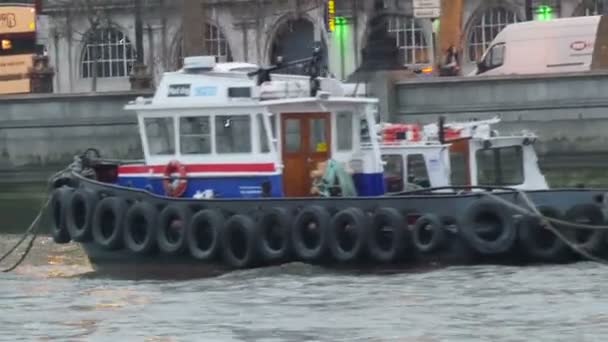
x=226, y=137
x=211, y=131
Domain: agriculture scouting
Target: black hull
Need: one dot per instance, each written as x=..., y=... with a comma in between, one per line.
x=127, y=265
x=457, y=248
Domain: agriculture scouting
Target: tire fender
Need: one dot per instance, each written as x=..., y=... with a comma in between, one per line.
x=58, y=206
x=274, y=227
x=234, y=254
x=171, y=228
x=140, y=228
x=314, y=222
x=428, y=224
x=203, y=234
x=80, y=210
x=352, y=221
x=481, y=213
x=108, y=223
x=383, y=219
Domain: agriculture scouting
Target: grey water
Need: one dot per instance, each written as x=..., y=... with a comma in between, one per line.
x=54, y=296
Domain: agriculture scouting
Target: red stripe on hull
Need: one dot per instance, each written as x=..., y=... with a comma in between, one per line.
x=215, y=168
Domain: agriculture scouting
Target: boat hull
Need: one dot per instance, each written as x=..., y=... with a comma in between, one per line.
x=124, y=264
x=448, y=215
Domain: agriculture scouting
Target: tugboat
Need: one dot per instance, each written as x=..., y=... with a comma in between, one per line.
x=245, y=170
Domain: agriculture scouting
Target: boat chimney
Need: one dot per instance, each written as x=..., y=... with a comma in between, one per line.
x=441, y=130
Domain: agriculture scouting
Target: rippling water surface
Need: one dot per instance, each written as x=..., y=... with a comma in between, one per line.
x=53, y=297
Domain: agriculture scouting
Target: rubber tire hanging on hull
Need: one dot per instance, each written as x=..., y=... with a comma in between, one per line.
x=203, y=234
x=81, y=208
x=347, y=235
x=108, y=223
x=58, y=206
x=274, y=243
x=534, y=246
x=312, y=222
x=378, y=249
x=589, y=240
x=485, y=212
x=140, y=228
x=172, y=239
x=239, y=234
x=432, y=224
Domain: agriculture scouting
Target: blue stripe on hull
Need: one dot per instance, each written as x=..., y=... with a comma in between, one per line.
x=223, y=187
x=369, y=184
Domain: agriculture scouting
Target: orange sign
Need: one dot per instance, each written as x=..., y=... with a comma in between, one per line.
x=14, y=73
x=17, y=19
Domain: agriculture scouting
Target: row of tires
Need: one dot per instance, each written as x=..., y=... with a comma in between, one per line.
x=313, y=234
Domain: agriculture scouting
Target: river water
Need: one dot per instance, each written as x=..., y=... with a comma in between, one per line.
x=53, y=296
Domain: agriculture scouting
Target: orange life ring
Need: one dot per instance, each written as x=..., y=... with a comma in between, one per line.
x=175, y=189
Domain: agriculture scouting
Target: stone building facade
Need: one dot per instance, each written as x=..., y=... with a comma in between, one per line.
x=79, y=40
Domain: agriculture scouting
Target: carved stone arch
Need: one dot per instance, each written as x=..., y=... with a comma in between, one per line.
x=292, y=37
x=222, y=50
x=473, y=44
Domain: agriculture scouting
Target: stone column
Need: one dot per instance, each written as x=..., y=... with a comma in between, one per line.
x=140, y=77
x=193, y=27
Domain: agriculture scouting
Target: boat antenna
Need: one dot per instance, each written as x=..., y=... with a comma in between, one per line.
x=314, y=69
x=441, y=129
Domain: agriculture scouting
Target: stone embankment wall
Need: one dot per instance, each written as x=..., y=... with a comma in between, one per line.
x=40, y=134
x=568, y=112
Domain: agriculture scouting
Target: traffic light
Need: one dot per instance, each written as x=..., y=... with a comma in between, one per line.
x=544, y=13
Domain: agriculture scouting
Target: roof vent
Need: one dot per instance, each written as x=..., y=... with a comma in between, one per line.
x=199, y=63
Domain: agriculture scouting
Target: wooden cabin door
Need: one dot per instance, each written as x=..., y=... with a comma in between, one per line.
x=459, y=162
x=306, y=140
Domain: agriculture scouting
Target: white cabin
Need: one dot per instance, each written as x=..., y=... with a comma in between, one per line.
x=212, y=130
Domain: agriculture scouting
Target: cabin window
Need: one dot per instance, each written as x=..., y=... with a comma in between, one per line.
x=417, y=172
x=344, y=129
x=458, y=166
x=393, y=172
x=233, y=133
x=195, y=135
x=292, y=135
x=160, y=134
x=318, y=135
x=364, y=133
x=264, y=145
x=500, y=166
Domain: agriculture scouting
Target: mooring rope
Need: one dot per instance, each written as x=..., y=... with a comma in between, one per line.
x=546, y=223
x=33, y=229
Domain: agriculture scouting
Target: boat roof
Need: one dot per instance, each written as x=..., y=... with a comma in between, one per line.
x=203, y=83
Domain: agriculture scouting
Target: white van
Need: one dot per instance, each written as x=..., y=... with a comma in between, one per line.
x=537, y=47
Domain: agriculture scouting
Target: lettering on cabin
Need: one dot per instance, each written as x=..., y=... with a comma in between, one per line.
x=8, y=20
x=179, y=90
x=205, y=91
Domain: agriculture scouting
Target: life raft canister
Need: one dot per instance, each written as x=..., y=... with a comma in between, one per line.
x=453, y=133
x=175, y=188
x=399, y=132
